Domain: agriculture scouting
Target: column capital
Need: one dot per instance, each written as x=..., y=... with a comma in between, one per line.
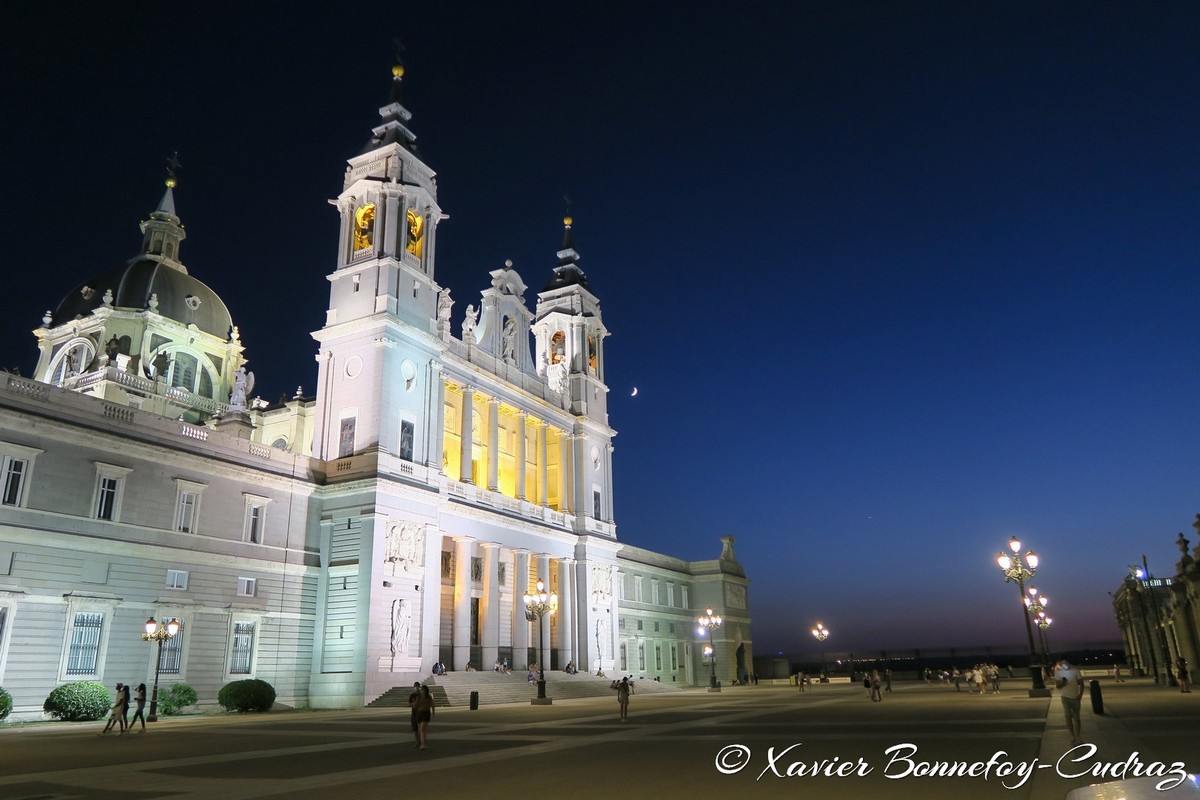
x=463, y=539
x=490, y=545
x=467, y=389
x=492, y=401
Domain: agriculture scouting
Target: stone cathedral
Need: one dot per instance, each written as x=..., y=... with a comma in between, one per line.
x=342, y=544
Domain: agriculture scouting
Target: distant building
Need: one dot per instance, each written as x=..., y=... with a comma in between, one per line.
x=341, y=544
x=1160, y=618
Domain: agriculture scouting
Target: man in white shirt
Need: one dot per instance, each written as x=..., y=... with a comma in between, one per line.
x=1069, y=682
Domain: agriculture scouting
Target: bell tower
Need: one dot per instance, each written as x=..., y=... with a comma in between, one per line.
x=569, y=335
x=378, y=348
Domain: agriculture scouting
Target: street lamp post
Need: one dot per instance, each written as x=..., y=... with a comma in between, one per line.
x=1043, y=623
x=1019, y=571
x=536, y=607
x=1036, y=603
x=821, y=633
x=158, y=633
x=710, y=622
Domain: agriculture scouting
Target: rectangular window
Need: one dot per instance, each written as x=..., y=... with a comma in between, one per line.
x=596, y=504
x=177, y=579
x=658, y=658
x=639, y=624
x=247, y=587
x=621, y=624
x=642, y=657
x=637, y=589
x=654, y=592
x=172, y=653
x=185, y=517
x=684, y=593
x=406, y=439
x=656, y=627
x=624, y=658
x=106, y=504
x=346, y=438
x=242, y=650
x=254, y=520
x=85, y=643
x=14, y=480
x=671, y=595
x=674, y=658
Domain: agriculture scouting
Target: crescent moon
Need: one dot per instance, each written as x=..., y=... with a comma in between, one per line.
x=634, y=392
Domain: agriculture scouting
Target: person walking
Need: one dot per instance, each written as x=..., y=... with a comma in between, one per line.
x=1117, y=673
x=887, y=679
x=623, y=692
x=1069, y=682
x=125, y=703
x=140, y=697
x=876, y=687
x=413, y=697
x=115, y=714
x=424, y=709
x=1181, y=674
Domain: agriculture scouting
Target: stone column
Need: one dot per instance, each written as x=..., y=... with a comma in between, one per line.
x=521, y=455
x=466, y=433
x=564, y=473
x=565, y=618
x=493, y=454
x=489, y=606
x=461, y=634
x=520, y=624
x=543, y=465
x=436, y=429
x=583, y=492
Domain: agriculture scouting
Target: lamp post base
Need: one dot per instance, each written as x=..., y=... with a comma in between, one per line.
x=714, y=688
x=542, y=701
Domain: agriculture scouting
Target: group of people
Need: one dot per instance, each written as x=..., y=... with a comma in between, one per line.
x=119, y=714
x=979, y=678
x=876, y=683
x=501, y=666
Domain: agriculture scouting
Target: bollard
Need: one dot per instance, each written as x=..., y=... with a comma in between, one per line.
x=1097, y=698
x=474, y=701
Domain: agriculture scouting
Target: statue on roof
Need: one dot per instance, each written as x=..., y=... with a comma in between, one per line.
x=243, y=384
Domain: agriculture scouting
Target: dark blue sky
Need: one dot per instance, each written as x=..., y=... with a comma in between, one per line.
x=896, y=281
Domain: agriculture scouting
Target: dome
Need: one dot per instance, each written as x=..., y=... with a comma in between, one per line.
x=180, y=296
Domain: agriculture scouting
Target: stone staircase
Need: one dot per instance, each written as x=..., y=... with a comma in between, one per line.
x=454, y=688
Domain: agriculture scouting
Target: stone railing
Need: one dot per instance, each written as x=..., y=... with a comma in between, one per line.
x=27, y=388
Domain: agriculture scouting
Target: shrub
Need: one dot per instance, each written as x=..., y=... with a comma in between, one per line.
x=5, y=703
x=80, y=700
x=248, y=695
x=176, y=697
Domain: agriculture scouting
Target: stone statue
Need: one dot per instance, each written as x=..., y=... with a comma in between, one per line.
x=509, y=350
x=243, y=383
x=444, y=305
x=469, y=322
x=401, y=627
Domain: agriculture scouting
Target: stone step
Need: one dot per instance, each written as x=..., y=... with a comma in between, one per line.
x=454, y=688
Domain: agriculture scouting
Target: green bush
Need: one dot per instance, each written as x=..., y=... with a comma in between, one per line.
x=248, y=695
x=81, y=700
x=5, y=703
x=176, y=697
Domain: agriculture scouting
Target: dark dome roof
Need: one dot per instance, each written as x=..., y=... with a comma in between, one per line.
x=132, y=286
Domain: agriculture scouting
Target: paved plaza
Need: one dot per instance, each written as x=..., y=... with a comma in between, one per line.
x=687, y=744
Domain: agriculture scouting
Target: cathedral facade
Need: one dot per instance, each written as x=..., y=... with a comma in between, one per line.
x=343, y=544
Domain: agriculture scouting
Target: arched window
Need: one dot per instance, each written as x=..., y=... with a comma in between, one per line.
x=74, y=359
